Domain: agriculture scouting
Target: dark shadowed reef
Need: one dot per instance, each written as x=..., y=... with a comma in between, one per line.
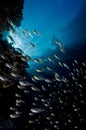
x=12, y=10
x=8, y=58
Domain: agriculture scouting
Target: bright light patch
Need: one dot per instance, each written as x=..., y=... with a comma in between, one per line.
x=13, y=38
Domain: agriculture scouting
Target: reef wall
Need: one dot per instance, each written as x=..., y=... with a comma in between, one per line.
x=12, y=10
x=12, y=67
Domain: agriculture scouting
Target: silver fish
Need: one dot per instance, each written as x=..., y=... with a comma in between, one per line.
x=32, y=44
x=76, y=62
x=18, y=112
x=9, y=65
x=48, y=68
x=14, y=116
x=48, y=80
x=36, y=33
x=18, y=95
x=3, y=78
x=38, y=78
x=24, y=83
x=56, y=57
x=35, y=88
x=29, y=33
x=49, y=59
x=39, y=70
x=36, y=60
x=66, y=66
x=37, y=110
x=13, y=74
x=13, y=108
x=21, y=87
x=3, y=57
x=43, y=88
x=58, y=79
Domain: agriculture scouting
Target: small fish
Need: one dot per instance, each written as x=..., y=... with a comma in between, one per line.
x=24, y=83
x=32, y=44
x=37, y=78
x=20, y=101
x=11, y=39
x=31, y=121
x=56, y=74
x=39, y=70
x=42, y=59
x=3, y=57
x=37, y=110
x=36, y=99
x=52, y=114
x=46, y=105
x=66, y=66
x=10, y=21
x=26, y=58
x=48, y=68
x=18, y=112
x=84, y=77
x=35, y=88
x=7, y=85
x=36, y=60
x=65, y=80
x=56, y=57
x=19, y=50
x=26, y=91
x=43, y=88
x=58, y=43
x=76, y=62
x=49, y=59
x=43, y=100
x=83, y=64
x=21, y=87
x=36, y=32
x=13, y=74
x=3, y=78
x=60, y=46
x=18, y=95
x=58, y=79
x=15, y=116
x=24, y=33
x=13, y=30
x=9, y=65
x=62, y=50
x=34, y=79
x=60, y=63
x=28, y=32
x=23, y=59
x=48, y=80
x=13, y=108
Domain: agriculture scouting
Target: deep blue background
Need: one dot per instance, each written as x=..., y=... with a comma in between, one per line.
x=65, y=19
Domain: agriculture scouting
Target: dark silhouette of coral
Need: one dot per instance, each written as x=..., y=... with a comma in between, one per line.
x=12, y=10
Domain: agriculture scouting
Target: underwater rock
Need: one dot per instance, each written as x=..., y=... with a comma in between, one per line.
x=13, y=11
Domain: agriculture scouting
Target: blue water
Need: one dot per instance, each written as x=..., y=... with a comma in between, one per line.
x=62, y=19
x=52, y=17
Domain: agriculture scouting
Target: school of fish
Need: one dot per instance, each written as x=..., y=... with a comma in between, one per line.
x=50, y=98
